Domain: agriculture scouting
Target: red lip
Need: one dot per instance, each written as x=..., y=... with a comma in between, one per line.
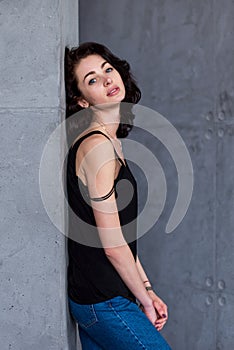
x=113, y=91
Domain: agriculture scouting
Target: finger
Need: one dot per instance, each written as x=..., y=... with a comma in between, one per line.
x=161, y=308
x=162, y=315
x=159, y=322
x=160, y=327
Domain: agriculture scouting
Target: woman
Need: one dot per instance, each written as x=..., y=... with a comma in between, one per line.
x=106, y=280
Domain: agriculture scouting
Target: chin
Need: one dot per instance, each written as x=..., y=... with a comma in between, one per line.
x=120, y=98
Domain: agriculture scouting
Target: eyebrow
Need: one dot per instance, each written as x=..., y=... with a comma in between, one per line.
x=93, y=72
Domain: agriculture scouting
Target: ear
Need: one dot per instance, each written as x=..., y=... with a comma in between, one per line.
x=83, y=103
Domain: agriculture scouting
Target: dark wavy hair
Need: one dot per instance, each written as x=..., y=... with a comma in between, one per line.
x=132, y=95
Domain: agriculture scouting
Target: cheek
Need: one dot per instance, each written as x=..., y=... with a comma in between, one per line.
x=123, y=87
x=121, y=81
x=87, y=93
x=93, y=96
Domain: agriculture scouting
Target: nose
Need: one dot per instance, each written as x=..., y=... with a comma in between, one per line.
x=107, y=81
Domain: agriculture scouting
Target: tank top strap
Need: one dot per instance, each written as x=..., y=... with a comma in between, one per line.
x=78, y=142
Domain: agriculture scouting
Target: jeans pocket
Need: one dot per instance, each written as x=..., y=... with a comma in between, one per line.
x=85, y=315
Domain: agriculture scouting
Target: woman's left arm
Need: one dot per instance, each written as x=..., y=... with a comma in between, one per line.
x=159, y=305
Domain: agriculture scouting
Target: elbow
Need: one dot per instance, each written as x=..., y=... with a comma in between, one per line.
x=116, y=253
x=111, y=253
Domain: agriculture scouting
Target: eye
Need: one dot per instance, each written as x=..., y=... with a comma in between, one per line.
x=92, y=81
x=108, y=70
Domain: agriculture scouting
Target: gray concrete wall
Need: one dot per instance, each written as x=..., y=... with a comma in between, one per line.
x=181, y=53
x=33, y=312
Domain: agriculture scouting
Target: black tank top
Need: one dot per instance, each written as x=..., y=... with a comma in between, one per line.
x=91, y=276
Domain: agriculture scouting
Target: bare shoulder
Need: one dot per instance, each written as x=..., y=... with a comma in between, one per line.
x=98, y=164
x=98, y=142
x=94, y=152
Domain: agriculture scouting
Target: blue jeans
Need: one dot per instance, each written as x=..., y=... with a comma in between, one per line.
x=115, y=324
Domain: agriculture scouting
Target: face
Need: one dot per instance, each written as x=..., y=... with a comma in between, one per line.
x=98, y=82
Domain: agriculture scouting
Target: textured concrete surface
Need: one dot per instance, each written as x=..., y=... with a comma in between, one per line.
x=181, y=53
x=33, y=310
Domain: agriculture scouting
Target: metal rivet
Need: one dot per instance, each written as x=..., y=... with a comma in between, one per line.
x=209, y=116
x=209, y=300
x=221, y=115
x=222, y=301
x=208, y=134
x=209, y=281
x=220, y=132
x=221, y=284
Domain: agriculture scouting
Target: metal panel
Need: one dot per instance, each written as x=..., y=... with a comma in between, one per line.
x=225, y=236
x=181, y=265
x=224, y=75
x=182, y=57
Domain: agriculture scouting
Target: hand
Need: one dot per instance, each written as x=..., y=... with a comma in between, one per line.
x=150, y=312
x=161, y=310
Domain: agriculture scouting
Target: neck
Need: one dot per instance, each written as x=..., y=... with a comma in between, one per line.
x=107, y=116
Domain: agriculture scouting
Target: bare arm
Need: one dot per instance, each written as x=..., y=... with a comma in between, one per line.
x=99, y=168
x=142, y=273
x=159, y=305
